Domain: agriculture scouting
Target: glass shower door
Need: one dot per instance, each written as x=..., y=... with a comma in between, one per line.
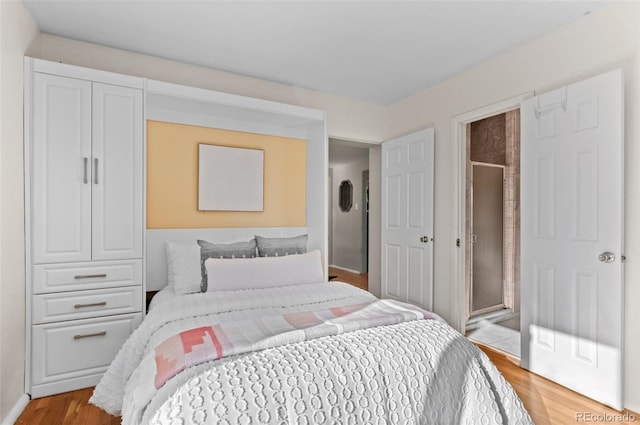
x=487, y=227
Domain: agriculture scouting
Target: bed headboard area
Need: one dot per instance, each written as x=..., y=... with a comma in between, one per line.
x=294, y=145
x=157, y=238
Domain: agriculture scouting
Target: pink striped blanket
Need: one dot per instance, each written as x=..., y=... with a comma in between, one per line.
x=203, y=344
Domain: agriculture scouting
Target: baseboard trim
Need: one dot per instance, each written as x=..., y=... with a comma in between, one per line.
x=632, y=407
x=345, y=269
x=16, y=410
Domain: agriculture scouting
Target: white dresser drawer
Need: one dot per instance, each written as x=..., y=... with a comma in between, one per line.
x=70, y=350
x=49, y=278
x=47, y=308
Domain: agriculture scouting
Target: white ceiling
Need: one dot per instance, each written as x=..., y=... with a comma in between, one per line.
x=377, y=51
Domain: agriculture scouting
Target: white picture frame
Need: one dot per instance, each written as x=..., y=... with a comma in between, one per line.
x=230, y=179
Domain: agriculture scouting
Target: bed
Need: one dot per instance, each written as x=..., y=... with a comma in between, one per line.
x=266, y=340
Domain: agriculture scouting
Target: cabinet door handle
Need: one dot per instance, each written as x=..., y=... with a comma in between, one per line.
x=103, y=333
x=100, y=304
x=85, y=179
x=89, y=276
x=95, y=170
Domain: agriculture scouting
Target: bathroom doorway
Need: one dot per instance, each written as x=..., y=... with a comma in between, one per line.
x=492, y=252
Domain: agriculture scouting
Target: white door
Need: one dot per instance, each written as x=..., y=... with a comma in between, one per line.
x=572, y=218
x=117, y=176
x=61, y=166
x=407, y=218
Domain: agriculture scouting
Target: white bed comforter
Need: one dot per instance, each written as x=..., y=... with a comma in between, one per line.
x=417, y=372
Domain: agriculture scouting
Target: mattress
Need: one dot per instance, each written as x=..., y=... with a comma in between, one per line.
x=163, y=294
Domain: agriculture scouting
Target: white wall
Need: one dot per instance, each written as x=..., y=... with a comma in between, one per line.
x=347, y=229
x=347, y=119
x=602, y=41
x=17, y=31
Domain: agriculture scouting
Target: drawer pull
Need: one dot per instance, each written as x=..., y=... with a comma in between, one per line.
x=89, y=276
x=103, y=303
x=103, y=333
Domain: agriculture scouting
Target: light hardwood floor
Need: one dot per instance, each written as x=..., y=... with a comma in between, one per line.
x=359, y=280
x=547, y=402
x=70, y=408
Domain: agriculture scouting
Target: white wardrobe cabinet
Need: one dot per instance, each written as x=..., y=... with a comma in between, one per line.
x=84, y=184
x=87, y=172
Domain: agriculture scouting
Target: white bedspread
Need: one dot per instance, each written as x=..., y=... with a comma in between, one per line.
x=415, y=372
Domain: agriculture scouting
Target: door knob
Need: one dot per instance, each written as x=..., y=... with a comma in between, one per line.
x=607, y=257
x=424, y=239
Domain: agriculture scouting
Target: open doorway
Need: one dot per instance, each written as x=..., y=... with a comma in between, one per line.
x=492, y=252
x=348, y=207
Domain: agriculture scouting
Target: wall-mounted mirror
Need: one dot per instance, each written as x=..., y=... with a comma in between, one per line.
x=345, y=194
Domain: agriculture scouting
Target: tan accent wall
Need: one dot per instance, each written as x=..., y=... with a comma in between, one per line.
x=172, y=178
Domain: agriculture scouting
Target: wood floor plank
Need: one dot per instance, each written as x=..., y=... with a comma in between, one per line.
x=547, y=402
x=71, y=408
x=357, y=280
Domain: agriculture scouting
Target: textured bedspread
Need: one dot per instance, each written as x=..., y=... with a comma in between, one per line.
x=420, y=371
x=206, y=343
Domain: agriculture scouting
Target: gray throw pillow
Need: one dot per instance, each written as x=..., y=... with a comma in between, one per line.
x=223, y=250
x=278, y=247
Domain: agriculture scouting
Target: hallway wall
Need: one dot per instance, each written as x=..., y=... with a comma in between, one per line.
x=348, y=247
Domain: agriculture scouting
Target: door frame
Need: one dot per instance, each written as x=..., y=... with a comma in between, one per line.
x=458, y=300
x=365, y=220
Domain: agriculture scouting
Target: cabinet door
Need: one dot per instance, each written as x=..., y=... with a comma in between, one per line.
x=60, y=186
x=74, y=354
x=117, y=172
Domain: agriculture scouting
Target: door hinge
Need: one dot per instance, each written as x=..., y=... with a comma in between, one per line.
x=458, y=242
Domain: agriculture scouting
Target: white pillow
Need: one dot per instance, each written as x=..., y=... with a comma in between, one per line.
x=263, y=272
x=183, y=268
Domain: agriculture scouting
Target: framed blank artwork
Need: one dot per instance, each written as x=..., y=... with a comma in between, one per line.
x=230, y=179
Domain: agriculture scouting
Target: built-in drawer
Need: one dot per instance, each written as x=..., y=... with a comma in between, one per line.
x=61, y=277
x=69, y=350
x=56, y=307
